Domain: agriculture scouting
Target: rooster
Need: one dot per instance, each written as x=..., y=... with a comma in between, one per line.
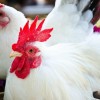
x=65, y=71
x=10, y=22
x=71, y=23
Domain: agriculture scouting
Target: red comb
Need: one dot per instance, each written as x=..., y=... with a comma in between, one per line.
x=1, y=5
x=32, y=33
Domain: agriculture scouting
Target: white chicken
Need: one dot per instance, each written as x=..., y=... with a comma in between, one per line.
x=68, y=21
x=65, y=71
x=10, y=22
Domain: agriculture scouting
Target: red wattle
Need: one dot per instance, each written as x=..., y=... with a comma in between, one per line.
x=14, y=64
x=22, y=65
x=24, y=72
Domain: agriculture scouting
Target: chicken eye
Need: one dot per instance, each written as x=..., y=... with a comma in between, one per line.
x=31, y=50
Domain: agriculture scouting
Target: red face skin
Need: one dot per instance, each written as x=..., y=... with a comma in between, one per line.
x=4, y=19
x=29, y=60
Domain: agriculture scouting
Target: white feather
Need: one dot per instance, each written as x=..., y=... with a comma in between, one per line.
x=82, y=4
x=69, y=23
x=63, y=2
x=67, y=72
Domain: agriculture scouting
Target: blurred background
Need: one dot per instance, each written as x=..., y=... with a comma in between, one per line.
x=31, y=8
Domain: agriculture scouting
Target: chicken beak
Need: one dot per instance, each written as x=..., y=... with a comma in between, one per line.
x=15, y=54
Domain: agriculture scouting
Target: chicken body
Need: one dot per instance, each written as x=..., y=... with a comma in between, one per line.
x=68, y=71
x=69, y=22
x=8, y=35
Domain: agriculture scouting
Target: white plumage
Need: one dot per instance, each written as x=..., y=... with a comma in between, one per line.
x=68, y=21
x=68, y=71
x=9, y=35
x=66, y=18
